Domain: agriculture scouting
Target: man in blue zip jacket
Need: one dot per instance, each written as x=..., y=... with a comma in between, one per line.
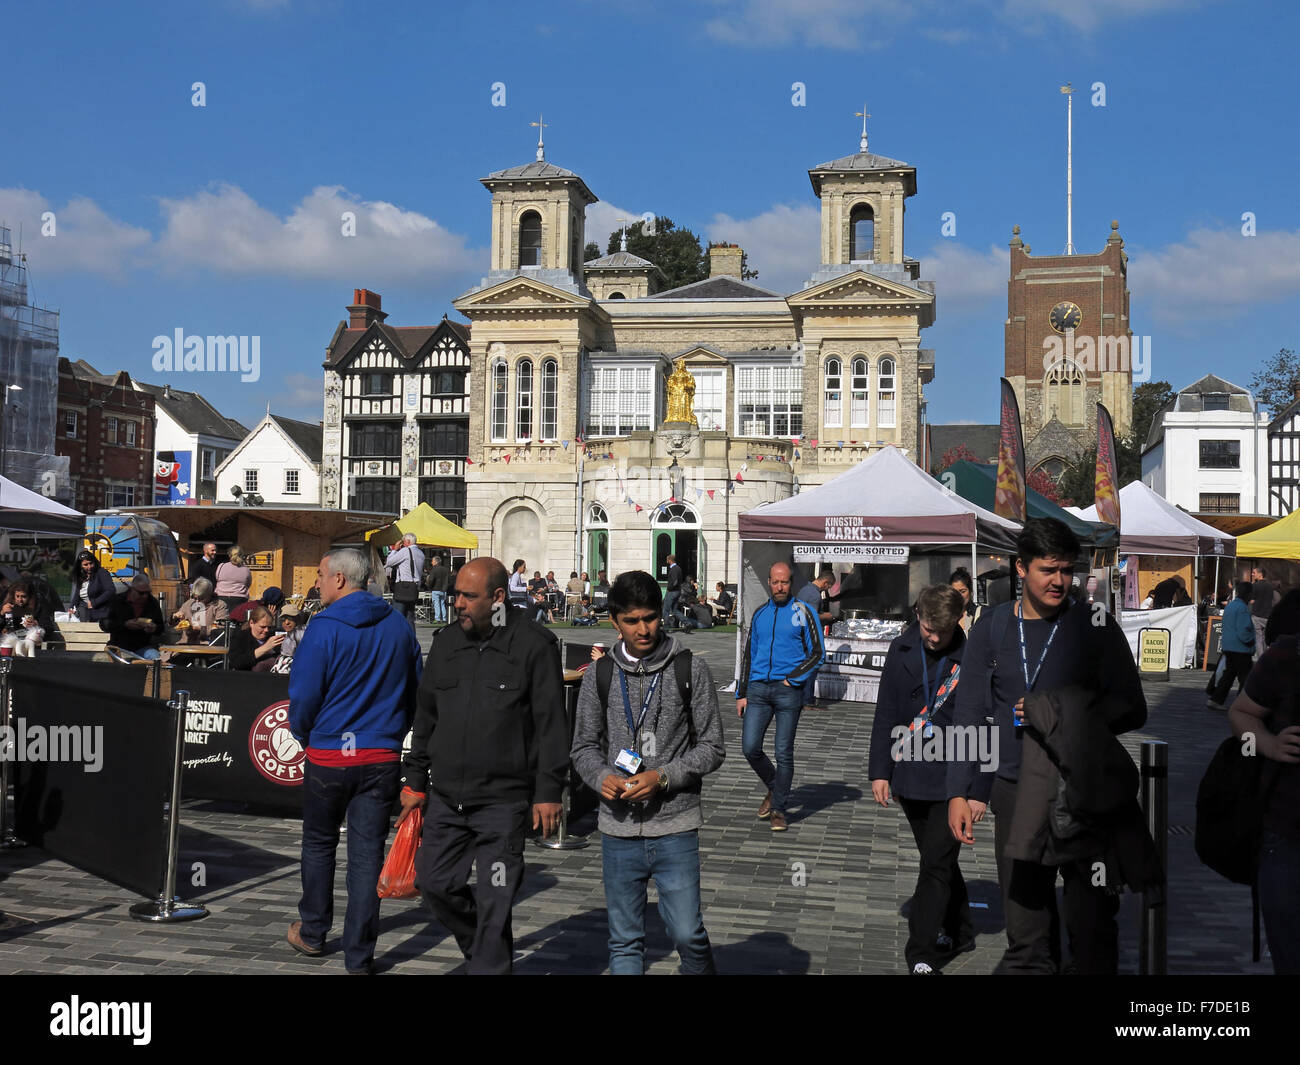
x=351, y=701
x=784, y=648
x=909, y=739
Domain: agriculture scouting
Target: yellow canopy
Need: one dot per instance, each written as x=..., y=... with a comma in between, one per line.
x=429, y=527
x=1279, y=540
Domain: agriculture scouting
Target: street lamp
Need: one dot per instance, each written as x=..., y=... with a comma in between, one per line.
x=5, y=389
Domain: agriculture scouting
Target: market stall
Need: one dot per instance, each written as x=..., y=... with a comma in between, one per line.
x=1160, y=542
x=38, y=536
x=887, y=529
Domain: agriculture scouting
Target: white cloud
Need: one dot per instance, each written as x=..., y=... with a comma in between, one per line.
x=301, y=394
x=604, y=218
x=966, y=276
x=1034, y=15
x=782, y=243
x=225, y=230
x=81, y=237
x=1215, y=274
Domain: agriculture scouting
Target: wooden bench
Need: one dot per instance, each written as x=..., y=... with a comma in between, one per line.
x=82, y=636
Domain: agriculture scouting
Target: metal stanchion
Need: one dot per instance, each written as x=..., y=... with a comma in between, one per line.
x=1153, y=950
x=168, y=908
x=562, y=840
x=8, y=841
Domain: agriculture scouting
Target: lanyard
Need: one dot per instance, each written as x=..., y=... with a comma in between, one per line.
x=925, y=677
x=635, y=727
x=1024, y=658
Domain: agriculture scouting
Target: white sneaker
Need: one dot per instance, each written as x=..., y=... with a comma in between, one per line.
x=921, y=969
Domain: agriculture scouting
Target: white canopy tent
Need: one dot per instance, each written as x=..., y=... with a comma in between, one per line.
x=28, y=512
x=1150, y=525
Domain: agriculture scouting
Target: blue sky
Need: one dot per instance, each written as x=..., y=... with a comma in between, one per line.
x=225, y=219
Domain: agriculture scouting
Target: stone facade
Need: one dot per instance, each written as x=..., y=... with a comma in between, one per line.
x=584, y=476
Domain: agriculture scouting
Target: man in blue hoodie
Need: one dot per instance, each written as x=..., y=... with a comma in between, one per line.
x=1238, y=647
x=783, y=649
x=351, y=702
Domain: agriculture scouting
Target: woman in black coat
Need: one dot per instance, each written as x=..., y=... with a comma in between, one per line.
x=94, y=589
x=256, y=645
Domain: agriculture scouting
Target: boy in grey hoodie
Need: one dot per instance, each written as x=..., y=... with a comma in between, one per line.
x=646, y=757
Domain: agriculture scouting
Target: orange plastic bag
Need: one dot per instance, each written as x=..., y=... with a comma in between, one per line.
x=397, y=877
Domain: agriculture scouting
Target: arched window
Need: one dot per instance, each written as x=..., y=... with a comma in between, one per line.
x=1064, y=393
x=861, y=403
x=833, y=407
x=499, y=399
x=862, y=234
x=886, y=412
x=550, y=399
x=617, y=296
x=676, y=514
x=530, y=239
x=524, y=399
x=596, y=515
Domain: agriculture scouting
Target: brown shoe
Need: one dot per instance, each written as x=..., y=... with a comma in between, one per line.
x=765, y=808
x=778, y=822
x=296, y=941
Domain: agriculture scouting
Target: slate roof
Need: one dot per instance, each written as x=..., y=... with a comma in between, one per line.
x=406, y=341
x=539, y=171
x=717, y=288
x=620, y=260
x=861, y=162
x=193, y=413
x=980, y=440
x=306, y=435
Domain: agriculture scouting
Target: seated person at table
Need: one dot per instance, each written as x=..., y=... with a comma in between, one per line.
x=537, y=584
x=272, y=599
x=292, y=624
x=721, y=606
x=584, y=615
x=255, y=646
x=135, y=622
x=541, y=609
x=697, y=612
x=22, y=621
x=201, y=614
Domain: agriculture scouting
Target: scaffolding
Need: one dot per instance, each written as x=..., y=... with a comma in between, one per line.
x=29, y=383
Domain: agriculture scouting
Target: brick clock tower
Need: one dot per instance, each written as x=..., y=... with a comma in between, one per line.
x=1068, y=347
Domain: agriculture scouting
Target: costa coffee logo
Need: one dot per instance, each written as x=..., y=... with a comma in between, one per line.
x=278, y=756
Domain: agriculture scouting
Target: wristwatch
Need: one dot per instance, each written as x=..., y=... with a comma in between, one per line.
x=663, y=780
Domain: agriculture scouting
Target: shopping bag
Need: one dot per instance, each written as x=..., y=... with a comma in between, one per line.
x=397, y=877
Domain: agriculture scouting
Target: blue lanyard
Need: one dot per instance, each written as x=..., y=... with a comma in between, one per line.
x=925, y=678
x=1024, y=657
x=635, y=727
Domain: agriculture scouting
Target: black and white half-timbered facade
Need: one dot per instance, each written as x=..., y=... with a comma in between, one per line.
x=396, y=427
x=1284, y=460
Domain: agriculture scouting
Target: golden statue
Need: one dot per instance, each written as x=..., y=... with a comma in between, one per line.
x=681, y=396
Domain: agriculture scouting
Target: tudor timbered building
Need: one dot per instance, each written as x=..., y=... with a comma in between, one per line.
x=1284, y=460
x=396, y=428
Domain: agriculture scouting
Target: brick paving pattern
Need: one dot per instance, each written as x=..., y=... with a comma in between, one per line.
x=829, y=896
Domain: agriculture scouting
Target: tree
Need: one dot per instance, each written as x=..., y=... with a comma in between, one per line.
x=1076, y=483
x=957, y=453
x=1277, y=383
x=591, y=251
x=677, y=252
x=1148, y=399
x=1043, y=484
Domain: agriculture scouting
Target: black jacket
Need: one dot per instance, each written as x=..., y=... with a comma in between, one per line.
x=490, y=723
x=901, y=697
x=120, y=612
x=201, y=567
x=1077, y=799
x=98, y=593
x=243, y=650
x=674, y=577
x=436, y=579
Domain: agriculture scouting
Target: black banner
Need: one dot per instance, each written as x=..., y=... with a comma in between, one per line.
x=105, y=678
x=237, y=742
x=93, y=774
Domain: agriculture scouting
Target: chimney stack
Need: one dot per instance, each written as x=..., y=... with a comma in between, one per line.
x=725, y=260
x=364, y=309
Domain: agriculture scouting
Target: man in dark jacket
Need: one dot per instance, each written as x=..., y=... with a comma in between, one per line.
x=436, y=582
x=672, y=593
x=351, y=700
x=913, y=710
x=135, y=621
x=205, y=565
x=490, y=745
x=1040, y=643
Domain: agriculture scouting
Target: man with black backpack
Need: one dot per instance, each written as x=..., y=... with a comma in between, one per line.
x=647, y=732
x=1042, y=647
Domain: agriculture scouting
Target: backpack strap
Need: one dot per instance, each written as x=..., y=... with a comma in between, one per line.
x=682, y=671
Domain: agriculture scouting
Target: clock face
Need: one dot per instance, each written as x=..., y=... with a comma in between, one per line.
x=1065, y=316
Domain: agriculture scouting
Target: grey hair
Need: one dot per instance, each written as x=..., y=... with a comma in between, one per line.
x=350, y=562
x=409, y=539
x=200, y=588
x=140, y=583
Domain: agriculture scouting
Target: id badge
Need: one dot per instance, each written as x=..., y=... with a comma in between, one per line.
x=921, y=725
x=628, y=761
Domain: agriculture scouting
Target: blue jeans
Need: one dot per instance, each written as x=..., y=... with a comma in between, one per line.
x=364, y=794
x=439, y=601
x=1279, y=880
x=674, y=862
x=670, y=607
x=767, y=700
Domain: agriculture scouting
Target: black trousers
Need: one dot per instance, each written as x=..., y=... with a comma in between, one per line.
x=1237, y=668
x=489, y=839
x=940, y=902
x=1029, y=904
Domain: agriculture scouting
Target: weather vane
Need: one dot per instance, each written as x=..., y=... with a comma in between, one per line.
x=541, y=149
